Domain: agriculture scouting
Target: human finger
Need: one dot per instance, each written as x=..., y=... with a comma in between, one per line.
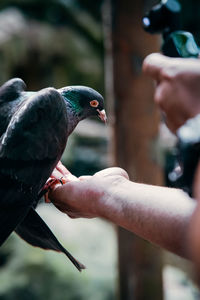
x=75, y=215
x=174, y=122
x=153, y=65
x=62, y=169
x=84, y=177
x=113, y=171
x=57, y=174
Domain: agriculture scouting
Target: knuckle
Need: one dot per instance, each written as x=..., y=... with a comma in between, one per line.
x=122, y=172
x=125, y=174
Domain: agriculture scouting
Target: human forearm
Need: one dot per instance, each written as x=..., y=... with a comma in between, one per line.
x=158, y=214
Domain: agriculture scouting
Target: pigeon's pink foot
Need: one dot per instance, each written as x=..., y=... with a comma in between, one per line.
x=50, y=185
x=61, y=176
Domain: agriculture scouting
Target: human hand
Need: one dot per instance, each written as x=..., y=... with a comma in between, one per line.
x=178, y=87
x=86, y=196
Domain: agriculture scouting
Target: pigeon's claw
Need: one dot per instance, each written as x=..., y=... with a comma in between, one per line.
x=50, y=185
x=59, y=176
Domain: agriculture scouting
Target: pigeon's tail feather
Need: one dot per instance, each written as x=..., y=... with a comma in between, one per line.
x=15, y=203
x=36, y=232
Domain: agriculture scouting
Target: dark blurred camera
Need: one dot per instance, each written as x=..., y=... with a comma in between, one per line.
x=164, y=19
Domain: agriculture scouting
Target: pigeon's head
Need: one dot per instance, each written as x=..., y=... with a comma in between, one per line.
x=84, y=102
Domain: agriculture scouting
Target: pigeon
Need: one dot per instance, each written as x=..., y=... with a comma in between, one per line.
x=34, y=128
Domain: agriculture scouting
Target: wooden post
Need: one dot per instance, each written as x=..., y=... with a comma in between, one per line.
x=135, y=121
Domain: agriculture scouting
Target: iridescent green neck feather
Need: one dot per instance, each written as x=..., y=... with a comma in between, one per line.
x=73, y=100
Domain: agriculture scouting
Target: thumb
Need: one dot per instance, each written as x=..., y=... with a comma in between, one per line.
x=154, y=63
x=112, y=172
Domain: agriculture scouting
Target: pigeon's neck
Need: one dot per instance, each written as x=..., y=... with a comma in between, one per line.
x=73, y=117
x=74, y=110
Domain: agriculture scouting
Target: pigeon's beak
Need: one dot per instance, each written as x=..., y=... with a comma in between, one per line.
x=102, y=115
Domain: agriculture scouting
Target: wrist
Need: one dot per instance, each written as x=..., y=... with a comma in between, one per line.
x=110, y=201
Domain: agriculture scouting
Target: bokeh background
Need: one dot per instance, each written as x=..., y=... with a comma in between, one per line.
x=66, y=42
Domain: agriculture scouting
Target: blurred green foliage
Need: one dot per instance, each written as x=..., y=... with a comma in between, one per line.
x=33, y=274
x=51, y=43
x=62, y=13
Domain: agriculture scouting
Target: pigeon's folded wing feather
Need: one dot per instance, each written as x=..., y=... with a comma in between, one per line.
x=11, y=90
x=29, y=151
x=15, y=202
x=35, y=138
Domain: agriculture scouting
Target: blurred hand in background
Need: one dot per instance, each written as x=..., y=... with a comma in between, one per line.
x=177, y=90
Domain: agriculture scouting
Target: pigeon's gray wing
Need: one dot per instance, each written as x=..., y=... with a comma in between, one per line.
x=15, y=202
x=29, y=151
x=11, y=90
x=35, y=138
x=11, y=94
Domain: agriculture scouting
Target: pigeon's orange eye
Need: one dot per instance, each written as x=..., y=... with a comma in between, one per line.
x=94, y=103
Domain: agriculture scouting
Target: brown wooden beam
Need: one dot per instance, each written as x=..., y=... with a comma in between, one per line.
x=135, y=121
